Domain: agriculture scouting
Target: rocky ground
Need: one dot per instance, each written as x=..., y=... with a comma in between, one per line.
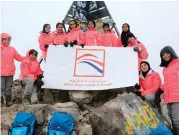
x=95, y=113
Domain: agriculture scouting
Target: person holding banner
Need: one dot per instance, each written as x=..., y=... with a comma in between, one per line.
x=59, y=37
x=138, y=47
x=75, y=36
x=170, y=87
x=31, y=75
x=92, y=36
x=150, y=82
x=45, y=40
x=108, y=36
x=7, y=71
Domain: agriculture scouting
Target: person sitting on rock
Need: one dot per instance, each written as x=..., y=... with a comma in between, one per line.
x=31, y=75
x=7, y=71
x=150, y=82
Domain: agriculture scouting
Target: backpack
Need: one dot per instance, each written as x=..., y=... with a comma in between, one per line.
x=23, y=124
x=61, y=124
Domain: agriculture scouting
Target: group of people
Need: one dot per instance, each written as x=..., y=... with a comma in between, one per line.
x=150, y=85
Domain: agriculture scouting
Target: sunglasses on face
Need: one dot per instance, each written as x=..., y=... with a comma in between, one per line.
x=7, y=39
x=72, y=24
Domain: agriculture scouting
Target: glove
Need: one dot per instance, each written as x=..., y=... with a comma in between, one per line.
x=71, y=44
x=82, y=45
x=157, y=96
x=137, y=86
x=40, y=76
x=46, y=46
x=75, y=42
x=38, y=82
x=137, y=49
x=66, y=44
x=55, y=44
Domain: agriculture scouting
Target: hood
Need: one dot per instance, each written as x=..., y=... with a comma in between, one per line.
x=170, y=50
x=4, y=35
x=75, y=29
x=56, y=32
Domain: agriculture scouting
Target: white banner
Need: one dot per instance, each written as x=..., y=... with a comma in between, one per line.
x=90, y=68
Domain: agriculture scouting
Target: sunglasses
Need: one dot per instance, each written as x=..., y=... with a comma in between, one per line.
x=7, y=39
x=72, y=24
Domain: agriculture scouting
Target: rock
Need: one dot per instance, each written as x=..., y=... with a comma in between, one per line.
x=6, y=120
x=66, y=105
x=17, y=91
x=69, y=107
x=123, y=115
x=13, y=108
x=85, y=129
x=48, y=97
x=4, y=132
x=80, y=97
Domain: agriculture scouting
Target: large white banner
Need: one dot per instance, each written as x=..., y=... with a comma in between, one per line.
x=90, y=68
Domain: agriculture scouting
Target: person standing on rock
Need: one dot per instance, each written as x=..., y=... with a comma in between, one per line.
x=123, y=39
x=108, y=37
x=59, y=37
x=31, y=75
x=7, y=71
x=75, y=36
x=150, y=82
x=170, y=87
x=45, y=40
x=138, y=47
x=92, y=36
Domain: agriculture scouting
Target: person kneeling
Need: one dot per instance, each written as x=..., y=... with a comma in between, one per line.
x=150, y=82
x=31, y=75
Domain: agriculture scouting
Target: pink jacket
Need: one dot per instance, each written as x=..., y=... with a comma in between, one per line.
x=119, y=42
x=109, y=39
x=58, y=38
x=92, y=38
x=30, y=68
x=76, y=34
x=8, y=54
x=43, y=40
x=171, y=82
x=142, y=55
x=150, y=84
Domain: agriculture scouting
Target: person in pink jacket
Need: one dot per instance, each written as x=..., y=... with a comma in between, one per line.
x=138, y=47
x=92, y=36
x=7, y=71
x=31, y=74
x=108, y=37
x=170, y=87
x=75, y=36
x=150, y=82
x=45, y=40
x=58, y=37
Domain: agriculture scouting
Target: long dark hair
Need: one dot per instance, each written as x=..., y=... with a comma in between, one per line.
x=124, y=35
x=43, y=30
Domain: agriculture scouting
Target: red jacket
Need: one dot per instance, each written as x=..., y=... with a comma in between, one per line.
x=143, y=55
x=171, y=82
x=8, y=54
x=58, y=38
x=30, y=68
x=92, y=38
x=109, y=39
x=76, y=34
x=43, y=40
x=150, y=84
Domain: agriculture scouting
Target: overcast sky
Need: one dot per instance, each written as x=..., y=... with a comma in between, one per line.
x=154, y=23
